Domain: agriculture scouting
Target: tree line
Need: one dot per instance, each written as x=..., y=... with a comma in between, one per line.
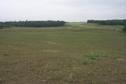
x=31, y=24
x=108, y=22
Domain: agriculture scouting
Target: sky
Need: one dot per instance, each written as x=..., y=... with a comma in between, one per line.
x=67, y=10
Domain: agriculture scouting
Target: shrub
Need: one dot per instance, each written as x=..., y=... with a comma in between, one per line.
x=1, y=27
x=124, y=29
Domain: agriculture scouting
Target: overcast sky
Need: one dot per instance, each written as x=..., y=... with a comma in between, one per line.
x=67, y=10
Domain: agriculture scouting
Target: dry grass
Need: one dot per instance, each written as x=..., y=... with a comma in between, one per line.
x=63, y=56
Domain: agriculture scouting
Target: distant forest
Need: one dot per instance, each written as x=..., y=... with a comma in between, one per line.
x=31, y=24
x=108, y=22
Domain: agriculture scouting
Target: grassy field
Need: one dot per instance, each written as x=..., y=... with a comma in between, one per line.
x=74, y=54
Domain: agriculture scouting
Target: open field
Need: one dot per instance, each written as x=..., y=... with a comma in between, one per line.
x=74, y=54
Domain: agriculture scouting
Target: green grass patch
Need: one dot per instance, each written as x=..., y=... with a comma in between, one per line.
x=93, y=57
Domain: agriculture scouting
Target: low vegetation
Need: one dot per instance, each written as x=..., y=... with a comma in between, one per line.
x=73, y=54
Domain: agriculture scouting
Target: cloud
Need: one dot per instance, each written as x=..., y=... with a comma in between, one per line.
x=68, y=10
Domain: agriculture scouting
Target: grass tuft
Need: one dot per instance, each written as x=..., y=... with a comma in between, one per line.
x=93, y=56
